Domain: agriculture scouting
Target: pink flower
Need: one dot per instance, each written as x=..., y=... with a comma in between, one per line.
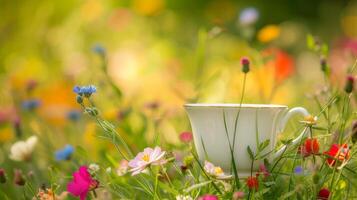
x=82, y=183
x=186, y=137
x=208, y=197
x=215, y=171
x=146, y=158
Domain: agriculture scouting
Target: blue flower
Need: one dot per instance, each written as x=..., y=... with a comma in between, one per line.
x=87, y=91
x=99, y=49
x=74, y=115
x=65, y=153
x=298, y=170
x=31, y=104
x=248, y=16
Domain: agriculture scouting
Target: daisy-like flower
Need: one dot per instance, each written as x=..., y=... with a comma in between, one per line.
x=310, y=120
x=22, y=150
x=146, y=158
x=215, y=171
x=340, y=153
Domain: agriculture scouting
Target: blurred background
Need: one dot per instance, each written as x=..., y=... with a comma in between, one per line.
x=159, y=54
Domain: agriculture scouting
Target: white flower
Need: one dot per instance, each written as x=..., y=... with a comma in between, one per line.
x=22, y=150
x=108, y=170
x=215, y=171
x=93, y=168
x=148, y=157
x=182, y=197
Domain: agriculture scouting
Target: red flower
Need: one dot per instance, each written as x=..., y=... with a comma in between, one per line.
x=282, y=62
x=263, y=170
x=337, y=152
x=252, y=183
x=324, y=193
x=186, y=137
x=310, y=146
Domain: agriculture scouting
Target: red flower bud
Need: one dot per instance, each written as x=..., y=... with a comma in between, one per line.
x=19, y=178
x=324, y=193
x=252, y=183
x=2, y=176
x=245, y=65
x=349, y=83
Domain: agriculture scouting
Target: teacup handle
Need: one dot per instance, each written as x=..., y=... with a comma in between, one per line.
x=288, y=115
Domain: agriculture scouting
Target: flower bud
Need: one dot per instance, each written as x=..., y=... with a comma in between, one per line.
x=19, y=178
x=79, y=99
x=354, y=131
x=323, y=65
x=349, y=84
x=245, y=65
x=2, y=176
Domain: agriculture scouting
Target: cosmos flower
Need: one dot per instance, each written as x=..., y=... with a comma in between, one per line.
x=87, y=91
x=215, y=171
x=252, y=183
x=123, y=167
x=82, y=183
x=146, y=158
x=22, y=150
x=65, y=153
x=248, y=16
x=339, y=153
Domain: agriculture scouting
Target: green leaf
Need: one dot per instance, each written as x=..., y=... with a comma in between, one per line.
x=250, y=152
x=263, y=145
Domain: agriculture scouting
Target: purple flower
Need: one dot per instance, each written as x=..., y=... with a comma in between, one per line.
x=248, y=16
x=87, y=91
x=298, y=170
x=31, y=104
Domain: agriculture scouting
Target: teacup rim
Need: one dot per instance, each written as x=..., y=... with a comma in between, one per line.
x=233, y=105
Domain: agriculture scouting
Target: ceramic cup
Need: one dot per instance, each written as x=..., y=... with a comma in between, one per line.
x=212, y=123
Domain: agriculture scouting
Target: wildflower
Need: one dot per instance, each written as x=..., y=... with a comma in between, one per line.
x=310, y=146
x=82, y=183
x=264, y=170
x=310, y=120
x=186, y=137
x=252, y=183
x=31, y=104
x=268, y=33
x=323, y=65
x=215, y=171
x=238, y=195
x=87, y=91
x=324, y=194
x=248, y=16
x=99, y=49
x=281, y=62
x=354, y=131
x=182, y=197
x=65, y=153
x=298, y=170
x=146, y=158
x=208, y=197
x=93, y=168
x=123, y=167
x=74, y=115
x=337, y=153
x=48, y=194
x=2, y=176
x=22, y=150
x=349, y=83
x=108, y=170
x=19, y=178
x=245, y=65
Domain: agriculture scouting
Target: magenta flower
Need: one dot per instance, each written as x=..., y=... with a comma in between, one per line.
x=208, y=197
x=186, y=137
x=146, y=158
x=82, y=183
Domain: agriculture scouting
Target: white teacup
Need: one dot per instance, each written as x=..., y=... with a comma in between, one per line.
x=210, y=135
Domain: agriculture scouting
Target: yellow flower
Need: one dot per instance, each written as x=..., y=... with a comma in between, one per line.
x=268, y=33
x=149, y=8
x=6, y=134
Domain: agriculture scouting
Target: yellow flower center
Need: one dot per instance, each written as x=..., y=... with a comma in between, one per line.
x=218, y=170
x=146, y=158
